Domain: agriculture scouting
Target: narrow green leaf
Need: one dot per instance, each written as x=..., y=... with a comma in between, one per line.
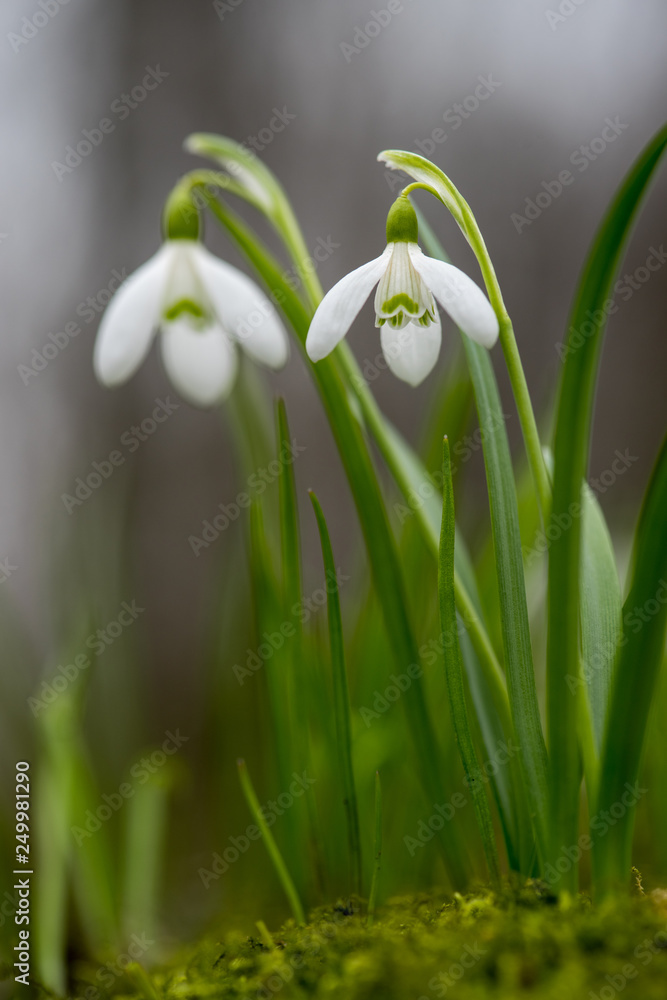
x=268, y=614
x=454, y=670
x=571, y=456
x=271, y=846
x=511, y=587
x=341, y=699
x=297, y=681
x=634, y=685
x=53, y=784
x=377, y=852
x=145, y=837
x=601, y=617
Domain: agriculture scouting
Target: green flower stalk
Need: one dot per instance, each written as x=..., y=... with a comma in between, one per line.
x=430, y=178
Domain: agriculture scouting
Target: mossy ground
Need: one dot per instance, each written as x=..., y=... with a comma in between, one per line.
x=424, y=947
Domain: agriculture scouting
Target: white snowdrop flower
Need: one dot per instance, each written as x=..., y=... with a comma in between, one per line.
x=409, y=283
x=205, y=310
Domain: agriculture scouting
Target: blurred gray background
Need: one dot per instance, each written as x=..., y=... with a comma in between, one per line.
x=556, y=77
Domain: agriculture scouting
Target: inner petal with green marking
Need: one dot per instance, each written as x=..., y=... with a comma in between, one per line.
x=186, y=297
x=402, y=295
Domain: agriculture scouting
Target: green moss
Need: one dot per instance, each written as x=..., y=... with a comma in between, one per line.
x=512, y=944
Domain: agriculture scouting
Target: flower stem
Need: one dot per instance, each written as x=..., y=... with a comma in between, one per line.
x=509, y=346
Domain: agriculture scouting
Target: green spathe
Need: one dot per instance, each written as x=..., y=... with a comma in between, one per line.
x=402, y=224
x=180, y=218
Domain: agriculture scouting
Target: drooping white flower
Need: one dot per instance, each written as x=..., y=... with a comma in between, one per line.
x=205, y=309
x=408, y=283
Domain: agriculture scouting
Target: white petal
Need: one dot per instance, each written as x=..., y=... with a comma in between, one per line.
x=458, y=295
x=243, y=310
x=341, y=305
x=130, y=320
x=202, y=364
x=412, y=352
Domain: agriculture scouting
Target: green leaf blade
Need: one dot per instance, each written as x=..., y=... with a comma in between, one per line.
x=454, y=672
x=571, y=456
x=341, y=698
x=634, y=685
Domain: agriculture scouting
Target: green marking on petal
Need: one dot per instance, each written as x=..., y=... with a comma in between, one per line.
x=186, y=306
x=402, y=300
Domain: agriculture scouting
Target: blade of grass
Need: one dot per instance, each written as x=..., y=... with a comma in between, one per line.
x=377, y=852
x=54, y=782
x=454, y=670
x=634, y=684
x=511, y=588
x=450, y=408
x=268, y=618
x=144, y=844
x=571, y=456
x=297, y=681
x=601, y=605
x=93, y=868
x=341, y=699
x=284, y=876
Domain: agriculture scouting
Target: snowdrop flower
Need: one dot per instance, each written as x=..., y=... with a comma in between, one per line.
x=405, y=310
x=205, y=309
